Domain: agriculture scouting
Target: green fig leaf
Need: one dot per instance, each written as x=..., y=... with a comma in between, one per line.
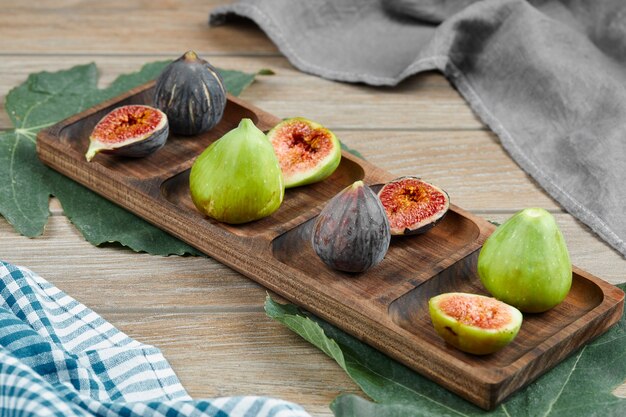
x=236, y=81
x=26, y=184
x=265, y=71
x=350, y=150
x=23, y=183
x=581, y=385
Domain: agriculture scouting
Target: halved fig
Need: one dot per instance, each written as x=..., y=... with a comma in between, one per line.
x=307, y=151
x=474, y=323
x=413, y=206
x=133, y=130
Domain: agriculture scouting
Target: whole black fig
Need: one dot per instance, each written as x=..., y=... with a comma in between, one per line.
x=192, y=94
x=351, y=233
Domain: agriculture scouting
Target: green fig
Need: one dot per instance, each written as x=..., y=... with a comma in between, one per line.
x=474, y=323
x=237, y=179
x=525, y=262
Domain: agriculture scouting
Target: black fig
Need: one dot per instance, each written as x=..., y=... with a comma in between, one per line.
x=351, y=233
x=133, y=130
x=192, y=94
x=413, y=206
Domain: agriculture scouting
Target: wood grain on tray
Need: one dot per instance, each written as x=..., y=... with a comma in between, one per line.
x=385, y=306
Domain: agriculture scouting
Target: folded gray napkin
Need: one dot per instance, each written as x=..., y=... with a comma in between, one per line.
x=548, y=76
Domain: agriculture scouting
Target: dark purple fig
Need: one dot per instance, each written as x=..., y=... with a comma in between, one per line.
x=192, y=94
x=413, y=206
x=133, y=130
x=351, y=233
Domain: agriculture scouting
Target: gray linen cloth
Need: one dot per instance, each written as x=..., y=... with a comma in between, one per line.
x=548, y=76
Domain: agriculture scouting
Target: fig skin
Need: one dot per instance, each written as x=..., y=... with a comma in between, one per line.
x=412, y=205
x=525, y=262
x=192, y=94
x=307, y=151
x=237, y=179
x=351, y=233
x=471, y=331
x=134, y=131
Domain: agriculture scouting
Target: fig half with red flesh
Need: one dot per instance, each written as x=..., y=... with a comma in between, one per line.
x=133, y=130
x=307, y=151
x=474, y=323
x=413, y=206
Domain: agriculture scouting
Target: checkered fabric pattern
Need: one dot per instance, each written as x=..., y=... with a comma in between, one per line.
x=59, y=358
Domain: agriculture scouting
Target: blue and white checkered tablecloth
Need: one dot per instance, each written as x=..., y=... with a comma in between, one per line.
x=59, y=358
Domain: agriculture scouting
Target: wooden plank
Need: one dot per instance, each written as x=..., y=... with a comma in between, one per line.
x=224, y=354
x=476, y=177
x=470, y=165
x=434, y=103
x=112, y=278
x=119, y=26
x=243, y=354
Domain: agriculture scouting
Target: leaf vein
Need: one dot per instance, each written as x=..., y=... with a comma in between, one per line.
x=604, y=342
x=419, y=394
x=39, y=103
x=13, y=190
x=558, y=395
x=27, y=134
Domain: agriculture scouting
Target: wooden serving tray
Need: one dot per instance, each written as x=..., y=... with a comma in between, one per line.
x=387, y=306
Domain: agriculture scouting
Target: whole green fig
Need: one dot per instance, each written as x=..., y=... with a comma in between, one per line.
x=237, y=179
x=525, y=262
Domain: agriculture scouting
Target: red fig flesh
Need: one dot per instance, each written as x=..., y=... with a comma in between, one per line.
x=133, y=130
x=307, y=151
x=474, y=323
x=412, y=205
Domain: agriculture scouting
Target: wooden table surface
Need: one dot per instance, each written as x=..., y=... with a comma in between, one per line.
x=206, y=318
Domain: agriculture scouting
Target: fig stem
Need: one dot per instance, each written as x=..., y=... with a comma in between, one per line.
x=534, y=212
x=91, y=152
x=191, y=56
